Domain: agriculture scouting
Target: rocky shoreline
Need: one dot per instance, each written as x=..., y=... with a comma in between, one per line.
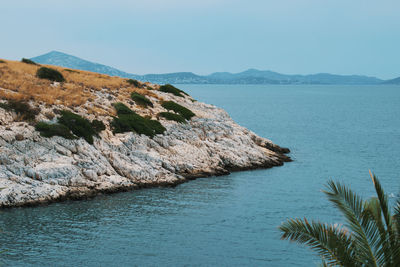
x=87, y=193
x=37, y=170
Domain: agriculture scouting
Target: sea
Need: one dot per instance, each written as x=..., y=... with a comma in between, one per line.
x=337, y=132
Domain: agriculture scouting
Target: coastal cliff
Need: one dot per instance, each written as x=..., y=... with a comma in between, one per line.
x=38, y=167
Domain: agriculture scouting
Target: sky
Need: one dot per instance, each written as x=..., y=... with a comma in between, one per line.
x=205, y=36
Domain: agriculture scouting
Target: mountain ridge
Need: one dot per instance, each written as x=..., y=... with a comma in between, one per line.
x=393, y=81
x=250, y=76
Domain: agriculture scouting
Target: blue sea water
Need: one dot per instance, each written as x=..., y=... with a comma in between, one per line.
x=337, y=132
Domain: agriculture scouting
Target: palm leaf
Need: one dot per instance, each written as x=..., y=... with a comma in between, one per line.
x=396, y=217
x=332, y=243
x=390, y=244
x=384, y=204
x=365, y=235
x=374, y=237
x=373, y=210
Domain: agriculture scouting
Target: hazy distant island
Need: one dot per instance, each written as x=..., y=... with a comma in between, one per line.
x=251, y=76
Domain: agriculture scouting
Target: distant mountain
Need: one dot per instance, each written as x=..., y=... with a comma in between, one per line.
x=269, y=77
x=393, y=81
x=251, y=76
x=177, y=77
x=64, y=60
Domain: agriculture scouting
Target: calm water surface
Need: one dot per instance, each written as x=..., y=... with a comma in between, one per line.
x=333, y=131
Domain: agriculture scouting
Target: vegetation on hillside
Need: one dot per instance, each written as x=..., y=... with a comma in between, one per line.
x=172, y=117
x=21, y=108
x=128, y=121
x=370, y=236
x=28, y=61
x=98, y=126
x=168, y=88
x=72, y=71
x=23, y=82
x=141, y=100
x=181, y=110
x=71, y=126
x=80, y=126
x=50, y=74
x=19, y=82
x=133, y=82
x=54, y=129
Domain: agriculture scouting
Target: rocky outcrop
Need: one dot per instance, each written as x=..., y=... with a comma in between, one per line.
x=35, y=169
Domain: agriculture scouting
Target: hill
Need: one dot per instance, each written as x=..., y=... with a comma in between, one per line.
x=251, y=76
x=68, y=61
x=91, y=133
x=393, y=81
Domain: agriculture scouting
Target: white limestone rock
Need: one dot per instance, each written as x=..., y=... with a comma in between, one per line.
x=38, y=170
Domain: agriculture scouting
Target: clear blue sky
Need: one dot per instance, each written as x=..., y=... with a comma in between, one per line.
x=204, y=36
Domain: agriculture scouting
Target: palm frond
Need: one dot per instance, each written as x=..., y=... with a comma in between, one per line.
x=384, y=203
x=351, y=205
x=332, y=243
x=396, y=216
x=323, y=264
x=372, y=211
x=373, y=235
x=390, y=245
x=396, y=226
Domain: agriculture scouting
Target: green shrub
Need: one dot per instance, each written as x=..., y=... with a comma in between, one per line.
x=22, y=108
x=72, y=71
x=98, y=126
x=168, y=88
x=50, y=74
x=2, y=61
x=122, y=108
x=71, y=122
x=49, y=130
x=128, y=121
x=79, y=126
x=141, y=100
x=156, y=126
x=28, y=61
x=133, y=82
x=172, y=117
x=184, y=112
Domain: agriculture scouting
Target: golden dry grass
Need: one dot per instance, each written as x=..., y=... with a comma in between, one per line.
x=18, y=81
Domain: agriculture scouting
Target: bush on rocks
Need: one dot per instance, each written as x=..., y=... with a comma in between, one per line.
x=122, y=108
x=172, y=117
x=71, y=126
x=133, y=82
x=98, y=126
x=141, y=100
x=28, y=61
x=22, y=108
x=128, y=121
x=168, y=88
x=79, y=126
x=181, y=110
x=50, y=74
x=50, y=130
x=71, y=71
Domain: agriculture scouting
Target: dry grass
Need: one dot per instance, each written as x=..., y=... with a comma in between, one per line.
x=18, y=81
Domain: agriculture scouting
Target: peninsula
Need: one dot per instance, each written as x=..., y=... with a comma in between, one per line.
x=71, y=134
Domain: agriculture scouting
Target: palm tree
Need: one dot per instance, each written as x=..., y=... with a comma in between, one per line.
x=370, y=237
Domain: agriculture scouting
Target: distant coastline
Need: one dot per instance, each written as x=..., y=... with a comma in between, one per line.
x=250, y=76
